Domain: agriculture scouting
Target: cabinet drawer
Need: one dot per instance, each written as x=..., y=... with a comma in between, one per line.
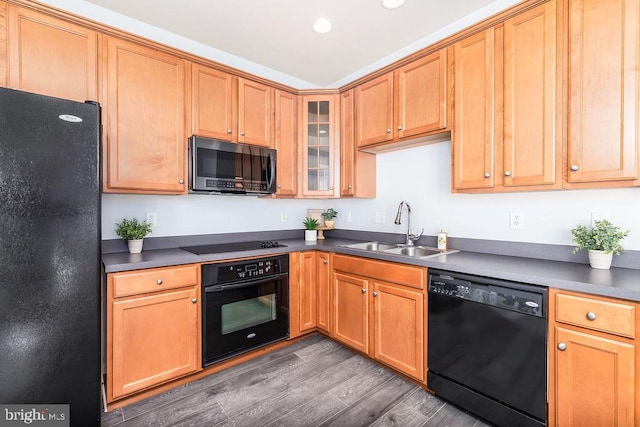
x=152, y=280
x=407, y=275
x=599, y=315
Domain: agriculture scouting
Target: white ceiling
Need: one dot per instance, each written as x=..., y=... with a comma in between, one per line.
x=277, y=34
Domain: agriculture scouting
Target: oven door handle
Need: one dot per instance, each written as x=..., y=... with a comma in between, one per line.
x=244, y=284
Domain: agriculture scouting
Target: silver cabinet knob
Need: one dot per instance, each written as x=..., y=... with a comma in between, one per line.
x=562, y=346
x=349, y=187
x=364, y=290
x=279, y=186
x=388, y=130
x=591, y=316
x=181, y=181
x=507, y=173
x=375, y=294
x=194, y=300
x=228, y=130
x=399, y=127
x=487, y=175
x=574, y=167
x=325, y=261
x=159, y=281
x=331, y=188
x=241, y=133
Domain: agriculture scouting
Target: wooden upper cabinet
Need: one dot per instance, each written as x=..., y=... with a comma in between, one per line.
x=357, y=168
x=603, y=90
x=374, y=111
x=473, y=132
x=320, y=138
x=144, y=111
x=50, y=56
x=255, y=113
x=532, y=143
x=422, y=96
x=213, y=93
x=286, y=143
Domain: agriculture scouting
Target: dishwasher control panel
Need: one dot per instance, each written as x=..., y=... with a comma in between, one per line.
x=518, y=297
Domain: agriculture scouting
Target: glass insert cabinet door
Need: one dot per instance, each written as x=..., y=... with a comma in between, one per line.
x=320, y=143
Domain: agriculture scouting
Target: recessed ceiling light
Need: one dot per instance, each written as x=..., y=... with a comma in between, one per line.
x=392, y=4
x=322, y=25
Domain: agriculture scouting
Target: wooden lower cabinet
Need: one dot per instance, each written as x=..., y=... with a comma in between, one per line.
x=308, y=290
x=592, y=375
x=351, y=311
x=399, y=328
x=378, y=316
x=324, y=291
x=152, y=337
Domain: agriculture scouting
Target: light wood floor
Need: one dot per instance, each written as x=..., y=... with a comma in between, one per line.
x=314, y=382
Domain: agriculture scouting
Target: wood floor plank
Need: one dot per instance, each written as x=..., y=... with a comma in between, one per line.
x=414, y=410
x=449, y=415
x=374, y=405
x=273, y=407
x=310, y=383
x=111, y=418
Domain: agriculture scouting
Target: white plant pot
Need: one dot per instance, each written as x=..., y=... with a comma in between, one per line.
x=310, y=235
x=135, y=246
x=600, y=260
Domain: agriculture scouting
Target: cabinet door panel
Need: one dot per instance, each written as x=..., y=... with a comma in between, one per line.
x=603, y=89
x=399, y=330
x=594, y=381
x=146, y=142
x=286, y=143
x=308, y=291
x=473, y=134
x=52, y=57
x=530, y=150
x=212, y=103
x=254, y=113
x=155, y=339
x=320, y=139
x=351, y=311
x=324, y=292
x=374, y=111
x=422, y=106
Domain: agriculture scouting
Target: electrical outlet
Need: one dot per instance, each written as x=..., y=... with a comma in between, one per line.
x=152, y=218
x=283, y=216
x=598, y=217
x=348, y=216
x=517, y=220
x=379, y=217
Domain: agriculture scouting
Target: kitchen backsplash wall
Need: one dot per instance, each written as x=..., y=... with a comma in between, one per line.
x=421, y=176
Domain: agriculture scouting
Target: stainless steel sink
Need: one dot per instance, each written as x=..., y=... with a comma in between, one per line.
x=399, y=249
x=371, y=246
x=418, y=251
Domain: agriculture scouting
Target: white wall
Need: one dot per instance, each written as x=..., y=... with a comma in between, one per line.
x=420, y=176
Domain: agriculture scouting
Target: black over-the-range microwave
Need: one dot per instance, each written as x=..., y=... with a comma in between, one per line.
x=217, y=166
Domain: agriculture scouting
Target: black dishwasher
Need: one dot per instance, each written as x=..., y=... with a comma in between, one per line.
x=487, y=347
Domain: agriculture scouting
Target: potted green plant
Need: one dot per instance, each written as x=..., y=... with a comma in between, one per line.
x=601, y=241
x=329, y=216
x=310, y=229
x=133, y=232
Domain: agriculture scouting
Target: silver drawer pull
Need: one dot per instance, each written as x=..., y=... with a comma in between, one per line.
x=375, y=294
x=487, y=175
x=159, y=281
x=562, y=346
x=194, y=300
x=364, y=290
x=574, y=167
x=591, y=316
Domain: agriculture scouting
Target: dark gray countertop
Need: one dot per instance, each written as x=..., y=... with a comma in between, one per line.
x=618, y=282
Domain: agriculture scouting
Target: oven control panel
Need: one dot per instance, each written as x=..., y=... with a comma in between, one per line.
x=235, y=271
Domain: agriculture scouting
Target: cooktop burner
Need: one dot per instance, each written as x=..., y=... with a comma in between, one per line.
x=231, y=247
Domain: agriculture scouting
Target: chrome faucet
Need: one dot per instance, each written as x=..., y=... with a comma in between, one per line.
x=410, y=237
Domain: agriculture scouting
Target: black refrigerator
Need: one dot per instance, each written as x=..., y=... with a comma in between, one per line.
x=50, y=242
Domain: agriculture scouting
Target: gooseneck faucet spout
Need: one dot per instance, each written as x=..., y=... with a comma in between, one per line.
x=410, y=237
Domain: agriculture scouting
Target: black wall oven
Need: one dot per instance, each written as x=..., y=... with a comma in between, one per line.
x=245, y=306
